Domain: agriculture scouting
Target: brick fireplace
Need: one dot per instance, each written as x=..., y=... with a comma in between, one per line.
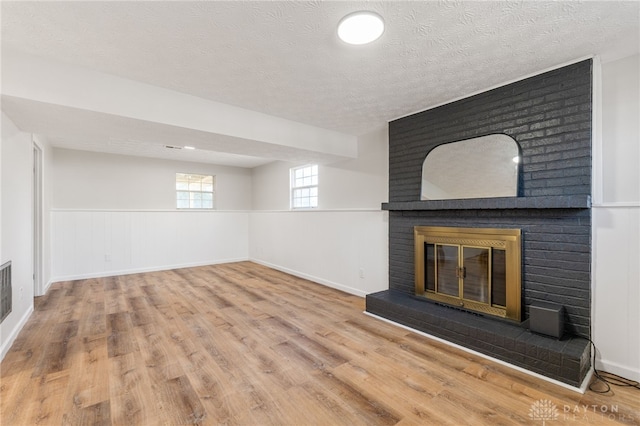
x=549, y=115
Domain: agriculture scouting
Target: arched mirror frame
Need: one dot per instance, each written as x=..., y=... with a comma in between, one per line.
x=456, y=164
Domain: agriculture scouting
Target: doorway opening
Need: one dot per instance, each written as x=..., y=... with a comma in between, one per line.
x=38, y=289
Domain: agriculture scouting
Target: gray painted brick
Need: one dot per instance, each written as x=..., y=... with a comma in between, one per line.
x=550, y=117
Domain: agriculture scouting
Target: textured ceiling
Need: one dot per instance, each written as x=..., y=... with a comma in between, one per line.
x=284, y=59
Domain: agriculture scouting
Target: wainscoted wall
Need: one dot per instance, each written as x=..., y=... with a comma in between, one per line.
x=90, y=243
x=616, y=318
x=140, y=230
x=343, y=249
x=616, y=221
x=343, y=243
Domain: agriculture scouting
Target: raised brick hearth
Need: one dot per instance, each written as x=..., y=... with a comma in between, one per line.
x=549, y=115
x=565, y=360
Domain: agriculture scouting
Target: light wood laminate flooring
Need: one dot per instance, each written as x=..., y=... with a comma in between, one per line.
x=242, y=344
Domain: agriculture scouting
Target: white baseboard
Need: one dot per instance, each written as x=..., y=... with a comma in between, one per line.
x=583, y=386
x=103, y=274
x=14, y=333
x=337, y=286
x=625, y=371
x=47, y=286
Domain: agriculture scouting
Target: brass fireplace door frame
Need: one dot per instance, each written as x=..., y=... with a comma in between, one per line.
x=505, y=239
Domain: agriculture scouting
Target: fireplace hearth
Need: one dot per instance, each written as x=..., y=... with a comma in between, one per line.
x=565, y=360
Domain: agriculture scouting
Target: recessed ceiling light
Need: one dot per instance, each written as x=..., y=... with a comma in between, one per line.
x=189, y=147
x=360, y=27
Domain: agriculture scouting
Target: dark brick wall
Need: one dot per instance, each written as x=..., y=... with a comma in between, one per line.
x=549, y=115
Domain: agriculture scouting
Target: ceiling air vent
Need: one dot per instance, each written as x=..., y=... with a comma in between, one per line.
x=172, y=147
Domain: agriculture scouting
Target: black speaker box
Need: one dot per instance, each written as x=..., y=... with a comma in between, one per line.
x=546, y=318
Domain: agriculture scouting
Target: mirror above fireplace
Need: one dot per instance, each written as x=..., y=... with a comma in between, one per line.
x=483, y=167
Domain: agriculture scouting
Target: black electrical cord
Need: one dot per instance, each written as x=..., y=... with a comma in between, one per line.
x=607, y=379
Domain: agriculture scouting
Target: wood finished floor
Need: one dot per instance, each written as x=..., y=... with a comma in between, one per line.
x=246, y=345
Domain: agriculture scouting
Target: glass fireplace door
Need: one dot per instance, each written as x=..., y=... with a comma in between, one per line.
x=448, y=268
x=459, y=271
x=475, y=269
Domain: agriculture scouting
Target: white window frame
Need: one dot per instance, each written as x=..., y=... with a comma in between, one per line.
x=303, y=184
x=196, y=190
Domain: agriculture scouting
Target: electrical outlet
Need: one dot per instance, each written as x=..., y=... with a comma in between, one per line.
x=361, y=272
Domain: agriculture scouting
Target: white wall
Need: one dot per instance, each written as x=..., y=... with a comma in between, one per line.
x=116, y=214
x=346, y=250
x=353, y=184
x=271, y=186
x=359, y=183
x=47, y=203
x=343, y=243
x=93, y=243
x=16, y=226
x=616, y=221
x=89, y=180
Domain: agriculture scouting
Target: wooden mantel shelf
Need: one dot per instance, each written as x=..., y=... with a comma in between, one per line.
x=504, y=203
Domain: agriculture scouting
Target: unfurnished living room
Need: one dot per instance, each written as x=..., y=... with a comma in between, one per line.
x=320, y=213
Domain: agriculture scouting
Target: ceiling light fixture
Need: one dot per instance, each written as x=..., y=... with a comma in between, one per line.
x=189, y=147
x=360, y=27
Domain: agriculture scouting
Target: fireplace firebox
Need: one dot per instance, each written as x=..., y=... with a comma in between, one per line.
x=476, y=269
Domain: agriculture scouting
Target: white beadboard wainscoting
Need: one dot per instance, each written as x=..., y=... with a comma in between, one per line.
x=616, y=288
x=93, y=243
x=343, y=249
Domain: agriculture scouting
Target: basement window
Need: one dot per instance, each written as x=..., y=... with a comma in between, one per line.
x=194, y=191
x=304, y=187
